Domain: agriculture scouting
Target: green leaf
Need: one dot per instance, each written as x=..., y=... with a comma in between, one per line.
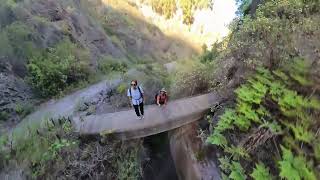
x=274, y=127
x=225, y=164
x=251, y=95
x=261, y=172
x=301, y=164
x=281, y=75
x=248, y=112
x=301, y=133
x=294, y=168
x=237, y=172
x=242, y=123
x=217, y=139
x=226, y=120
x=276, y=90
x=237, y=152
x=262, y=111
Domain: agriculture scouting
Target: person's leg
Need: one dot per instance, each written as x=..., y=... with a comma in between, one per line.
x=136, y=109
x=141, y=109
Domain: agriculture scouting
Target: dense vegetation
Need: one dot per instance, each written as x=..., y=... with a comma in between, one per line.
x=274, y=122
x=53, y=70
x=54, y=152
x=278, y=104
x=168, y=8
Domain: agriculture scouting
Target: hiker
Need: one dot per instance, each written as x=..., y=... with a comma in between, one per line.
x=161, y=97
x=135, y=94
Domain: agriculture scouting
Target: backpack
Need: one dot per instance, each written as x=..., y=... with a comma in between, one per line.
x=139, y=92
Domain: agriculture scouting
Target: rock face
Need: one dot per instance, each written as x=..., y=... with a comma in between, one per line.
x=187, y=152
x=13, y=92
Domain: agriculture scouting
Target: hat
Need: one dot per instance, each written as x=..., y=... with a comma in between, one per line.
x=163, y=90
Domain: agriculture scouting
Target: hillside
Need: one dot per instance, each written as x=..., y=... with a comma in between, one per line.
x=263, y=67
x=97, y=35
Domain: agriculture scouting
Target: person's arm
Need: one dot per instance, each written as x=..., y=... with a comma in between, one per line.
x=158, y=100
x=130, y=98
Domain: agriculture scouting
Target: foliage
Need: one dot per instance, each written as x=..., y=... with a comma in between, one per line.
x=52, y=71
x=3, y=116
x=128, y=164
x=237, y=172
x=269, y=38
x=270, y=99
x=164, y=7
x=243, y=7
x=169, y=7
x=16, y=41
x=210, y=55
x=292, y=167
x=23, y=109
x=234, y=168
x=108, y=65
x=260, y=172
x=37, y=147
x=191, y=77
x=188, y=7
x=122, y=88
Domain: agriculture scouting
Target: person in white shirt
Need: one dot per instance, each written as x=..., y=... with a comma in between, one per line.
x=135, y=94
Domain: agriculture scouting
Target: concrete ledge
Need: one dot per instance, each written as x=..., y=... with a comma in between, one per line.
x=125, y=125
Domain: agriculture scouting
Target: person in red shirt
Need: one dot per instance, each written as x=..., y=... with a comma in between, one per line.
x=162, y=97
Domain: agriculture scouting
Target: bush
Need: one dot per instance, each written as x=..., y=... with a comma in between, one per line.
x=23, y=109
x=16, y=41
x=109, y=64
x=191, y=77
x=271, y=37
x=38, y=147
x=54, y=70
x=277, y=103
x=210, y=55
x=4, y=116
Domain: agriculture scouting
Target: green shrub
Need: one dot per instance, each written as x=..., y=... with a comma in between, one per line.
x=55, y=69
x=38, y=147
x=270, y=38
x=210, y=55
x=4, y=116
x=191, y=77
x=270, y=100
x=16, y=41
x=128, y=164
x=109, y=65
x=24, y=109
x=122, y=88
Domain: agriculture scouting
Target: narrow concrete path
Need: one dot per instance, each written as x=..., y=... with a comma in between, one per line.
x=125, y=125
x=63, y=107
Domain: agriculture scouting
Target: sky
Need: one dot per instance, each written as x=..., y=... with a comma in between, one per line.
x=225, y=10
x=216, y=21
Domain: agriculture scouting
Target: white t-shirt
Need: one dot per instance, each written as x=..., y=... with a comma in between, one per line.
x=136, y=96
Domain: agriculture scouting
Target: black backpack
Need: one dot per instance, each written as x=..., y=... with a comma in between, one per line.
x=139, y=92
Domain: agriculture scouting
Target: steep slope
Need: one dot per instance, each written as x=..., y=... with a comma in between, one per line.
x=92, y=32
